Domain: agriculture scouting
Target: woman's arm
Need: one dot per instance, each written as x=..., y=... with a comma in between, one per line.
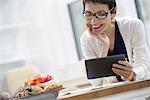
x=140, y=55
x=94, y=46
x=87, y=50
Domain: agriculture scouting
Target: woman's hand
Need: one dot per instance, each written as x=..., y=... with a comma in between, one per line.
x=124, y=69
x=89, y=27
x=103, y=38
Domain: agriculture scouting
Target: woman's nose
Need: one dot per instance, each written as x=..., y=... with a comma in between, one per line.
x=94, y=20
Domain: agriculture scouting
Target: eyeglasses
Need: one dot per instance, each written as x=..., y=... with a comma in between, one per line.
x=99, y=15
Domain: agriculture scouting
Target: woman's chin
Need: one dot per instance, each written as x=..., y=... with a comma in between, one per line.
x=97, y=32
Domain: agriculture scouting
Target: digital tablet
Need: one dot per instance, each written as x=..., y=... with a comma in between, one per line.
x=102, y=67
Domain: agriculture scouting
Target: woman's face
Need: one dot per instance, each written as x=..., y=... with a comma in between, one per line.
x=100, y=22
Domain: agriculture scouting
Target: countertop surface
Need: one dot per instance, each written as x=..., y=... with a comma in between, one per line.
x=84, y=90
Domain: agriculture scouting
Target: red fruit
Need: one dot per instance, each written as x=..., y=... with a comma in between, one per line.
x=37, y=82
x=37, y=79
x=31, y=82
x=48, y=78
x=40, y=79
x=45, y=79
x=37, y=76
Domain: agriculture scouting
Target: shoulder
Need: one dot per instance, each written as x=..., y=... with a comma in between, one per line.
x=129, y=24
x=128, y=20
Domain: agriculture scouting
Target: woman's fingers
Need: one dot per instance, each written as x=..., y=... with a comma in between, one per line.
x=123, y=68
x=125, y=63
x=89, y=27
x=121, y=72
x=118, y=66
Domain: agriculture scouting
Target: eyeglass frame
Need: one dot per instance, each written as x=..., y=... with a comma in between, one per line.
x=106, y=13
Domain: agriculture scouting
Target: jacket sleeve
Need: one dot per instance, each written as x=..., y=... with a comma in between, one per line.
x=87, y=50
x=140, y=49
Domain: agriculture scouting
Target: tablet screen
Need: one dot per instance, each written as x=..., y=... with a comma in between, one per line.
x=101, y=67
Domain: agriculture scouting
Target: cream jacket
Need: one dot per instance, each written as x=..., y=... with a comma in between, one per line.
x=133, y=34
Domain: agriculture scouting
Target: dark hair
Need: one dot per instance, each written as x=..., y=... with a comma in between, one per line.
x=111, y=3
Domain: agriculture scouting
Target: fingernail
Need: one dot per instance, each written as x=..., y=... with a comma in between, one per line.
x=119, y=61
x=114, y=64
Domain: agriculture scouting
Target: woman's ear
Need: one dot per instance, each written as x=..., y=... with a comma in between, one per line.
x=113, y=12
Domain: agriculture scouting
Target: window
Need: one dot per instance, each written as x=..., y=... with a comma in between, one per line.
x=143, y=13
x=78, y=23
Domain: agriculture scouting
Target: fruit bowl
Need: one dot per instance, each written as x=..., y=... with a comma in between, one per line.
x=49, y=95
x=39, y=87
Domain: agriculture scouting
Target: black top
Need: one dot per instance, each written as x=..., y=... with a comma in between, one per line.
x=119, y=46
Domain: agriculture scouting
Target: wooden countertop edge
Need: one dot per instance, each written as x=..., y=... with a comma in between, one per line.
x=107, y=90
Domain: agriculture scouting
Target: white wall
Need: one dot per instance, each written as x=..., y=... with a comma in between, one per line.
x=47, y=41
x=126, y=8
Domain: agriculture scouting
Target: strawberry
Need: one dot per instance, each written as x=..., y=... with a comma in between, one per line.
x=31, y=82
x=48, y=78
x=37, y=79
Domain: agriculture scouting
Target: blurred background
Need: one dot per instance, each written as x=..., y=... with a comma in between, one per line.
x=42, y=36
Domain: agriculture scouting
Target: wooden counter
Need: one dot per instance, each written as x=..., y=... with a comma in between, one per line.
x=106, y=91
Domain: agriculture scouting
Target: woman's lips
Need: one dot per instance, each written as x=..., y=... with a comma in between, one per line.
x=97, y=27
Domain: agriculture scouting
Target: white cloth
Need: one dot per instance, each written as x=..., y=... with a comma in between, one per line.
x=133, y=34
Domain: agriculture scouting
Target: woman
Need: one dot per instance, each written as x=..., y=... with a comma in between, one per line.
x=109, y=35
